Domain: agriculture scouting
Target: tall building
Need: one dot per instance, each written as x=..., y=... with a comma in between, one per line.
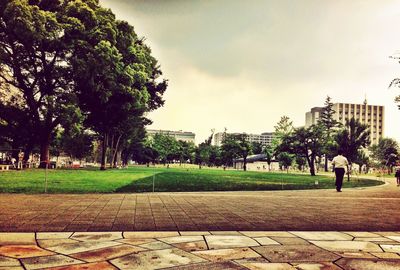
x=265, y=138
x=178, y=135
x=371, y=115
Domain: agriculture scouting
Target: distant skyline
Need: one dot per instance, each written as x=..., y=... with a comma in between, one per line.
x=242, y=65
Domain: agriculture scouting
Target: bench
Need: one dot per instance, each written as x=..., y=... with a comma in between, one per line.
x=4, y=167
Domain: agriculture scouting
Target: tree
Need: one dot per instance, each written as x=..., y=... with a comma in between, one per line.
x=257, y=148
x=362, y=160
x=283, y=128
x=285, y=160
x=351, y=139
x=386, y=152
x=304, y=142
x=166, y=147
x=328, y=123
x=36, y=46
x=236, y=146
x=268, y=151
x=203, y=153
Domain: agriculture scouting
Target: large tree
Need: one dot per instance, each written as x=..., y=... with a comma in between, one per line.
x=352, y=138
x=386, y=152
x=327, y=121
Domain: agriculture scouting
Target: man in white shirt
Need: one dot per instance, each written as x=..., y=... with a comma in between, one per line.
x=339, y=164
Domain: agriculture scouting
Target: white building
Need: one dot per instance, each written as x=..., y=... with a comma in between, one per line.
x=178, y=135
x=371, y=115
x=265, y=138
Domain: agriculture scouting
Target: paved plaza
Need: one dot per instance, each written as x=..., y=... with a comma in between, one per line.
x=368, y=209
x=283, y=250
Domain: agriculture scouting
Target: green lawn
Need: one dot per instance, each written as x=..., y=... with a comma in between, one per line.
x=140, y=179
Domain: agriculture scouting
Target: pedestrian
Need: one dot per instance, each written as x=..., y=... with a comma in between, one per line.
x=340, y=163
x=397, y=175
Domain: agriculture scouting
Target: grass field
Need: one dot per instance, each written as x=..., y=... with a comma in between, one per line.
x=140, y=179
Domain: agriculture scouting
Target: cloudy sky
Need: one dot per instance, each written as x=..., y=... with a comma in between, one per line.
x=244, y=64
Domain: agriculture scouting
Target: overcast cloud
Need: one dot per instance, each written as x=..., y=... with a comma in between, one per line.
x=244, y=64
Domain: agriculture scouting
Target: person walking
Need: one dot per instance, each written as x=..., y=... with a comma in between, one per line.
x=397, y=175
x=340, y=163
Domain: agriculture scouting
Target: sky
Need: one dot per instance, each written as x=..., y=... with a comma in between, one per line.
x=241, y=65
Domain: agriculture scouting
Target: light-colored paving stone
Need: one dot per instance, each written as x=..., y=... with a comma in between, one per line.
x=96, y=236
x=290, y=240
x=156, y=259
x=316, y=266
x=394, y=237
x=372, y=239
x=56, y=242
x=225, y=233
x=104, y=254
x=150, y=234
x=194, y=233
x=386, y=255
x=345, y=246
x=53, y=235
x=323, y=235
x=266, y=233
x=156, y=245
x=227, y=254
x=296, y=253
x=17, y=239
x=87, y=266
x=11, y=268
x=368, y=264
x=136, y=242
x=227, y=265
x=8, y=262
x=363, y=255
x=192, y=246
x=23, y=251
x=267, y=266
x=48, y=261
x=229, y=241
x=81, y=247
x=363, y=234
x=391, y=248
x=181, y=239
x=265, y=241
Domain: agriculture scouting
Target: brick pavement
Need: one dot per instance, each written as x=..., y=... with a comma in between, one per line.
x=370, y=209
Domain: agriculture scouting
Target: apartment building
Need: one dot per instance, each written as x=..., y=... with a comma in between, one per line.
x=371, y=115
x=178, y=135
x=263, y=138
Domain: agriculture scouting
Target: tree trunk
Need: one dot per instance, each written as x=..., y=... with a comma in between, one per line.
x=245, y=163
x=104, y=152
x=326, y=163
x=44, y=150
x=112, y=151
x=114, y=155
x=311, y=165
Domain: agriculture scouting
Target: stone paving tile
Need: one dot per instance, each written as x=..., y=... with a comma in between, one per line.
x=8, y=262
x=225, y=233
x=373, y=239
x=265, y=241
x=86, y=266
x=290, y=240
x=52, y=235
x=227, y=254
x=150, y=234
x=191, y=246
x=295, y=253
x=267, y=266
x=55, y=242
x=48, y=261
x=323, y=235
x=96, y=236
x=266, y=233
x=229, y=241
x=364, y=255
x=194, y=233
x=348, y=246
x=156, y=259
x=368, y=264
x=363, y=234
x=11, y=268
x=81, y=247
x=394, y=237
x=228, y=265
x=23, y=251
x=136, y=242
x=156, y=245
x=316, y=266
x=386, y=255
x=104, y=254
x=17, y=239
x=181, y=239
x=391, y=248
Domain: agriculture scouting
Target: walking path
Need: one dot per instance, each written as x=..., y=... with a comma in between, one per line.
x=219, y=250
x=368, y=209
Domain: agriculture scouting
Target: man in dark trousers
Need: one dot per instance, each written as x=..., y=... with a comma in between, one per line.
x=339, y=164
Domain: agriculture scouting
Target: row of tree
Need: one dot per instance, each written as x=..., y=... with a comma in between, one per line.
x=71, y=67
